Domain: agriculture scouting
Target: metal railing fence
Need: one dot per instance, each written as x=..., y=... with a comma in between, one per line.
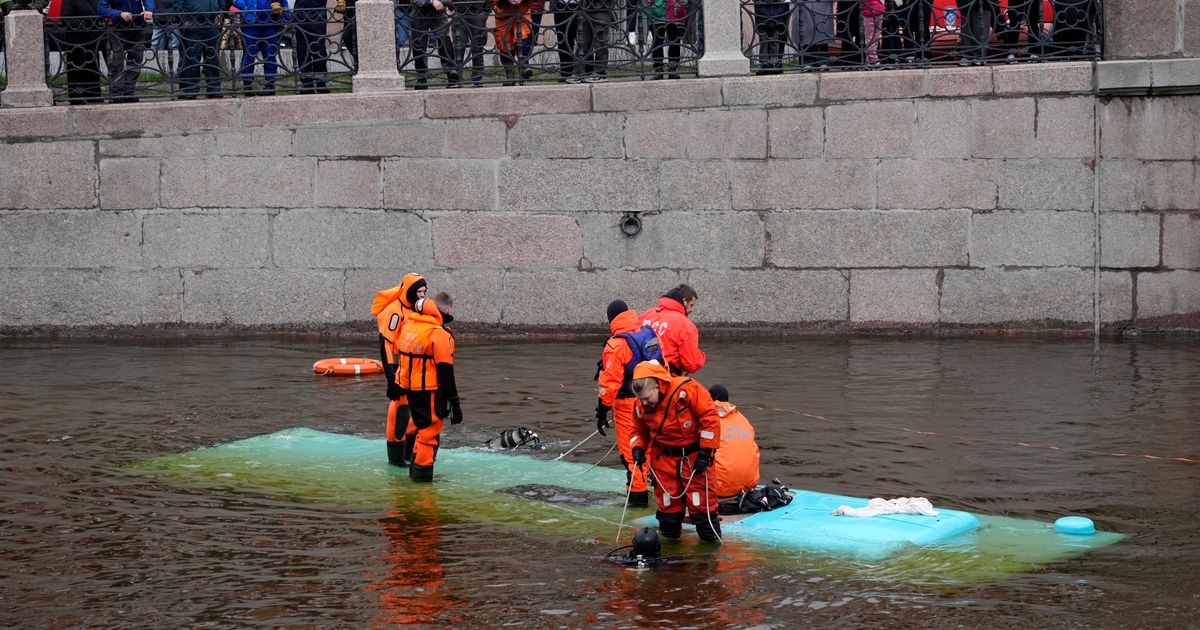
x=798, y=35
x=211, y=54
x=476, y=42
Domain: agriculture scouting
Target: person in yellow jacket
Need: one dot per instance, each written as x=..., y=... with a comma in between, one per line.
x=390, y=307
x=736, y=470
x=426, y=374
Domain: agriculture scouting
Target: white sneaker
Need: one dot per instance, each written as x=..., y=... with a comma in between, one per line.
x=573, y=79
x=594, y=79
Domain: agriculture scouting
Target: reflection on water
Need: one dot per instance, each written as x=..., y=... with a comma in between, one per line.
x=1028, y=428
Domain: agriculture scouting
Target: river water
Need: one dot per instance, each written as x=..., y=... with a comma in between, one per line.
x=1033, y=428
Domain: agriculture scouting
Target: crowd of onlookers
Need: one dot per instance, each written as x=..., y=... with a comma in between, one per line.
x=124, y=49
x=872, y=33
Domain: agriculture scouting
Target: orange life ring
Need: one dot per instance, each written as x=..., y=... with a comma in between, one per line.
x=347, y=367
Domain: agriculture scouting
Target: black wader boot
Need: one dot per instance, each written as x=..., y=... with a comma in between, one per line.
x=708, y=527
x=670, y=525
x=423, y=474
x=397, y=454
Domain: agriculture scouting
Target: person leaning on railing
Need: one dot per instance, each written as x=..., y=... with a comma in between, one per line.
x=312, y=54
x=566, y=30
x=77, y=34
x=429, y=22
x=595, y=17
x=668, y=22
x=262, y=23
x=512, y=28
x=469, y=32
x=200, y=34
x=770, y=22
x=129, y=37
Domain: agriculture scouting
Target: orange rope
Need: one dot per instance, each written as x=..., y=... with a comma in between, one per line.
x=1187, y=460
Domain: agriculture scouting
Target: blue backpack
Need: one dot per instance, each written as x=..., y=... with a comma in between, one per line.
x=644, y=344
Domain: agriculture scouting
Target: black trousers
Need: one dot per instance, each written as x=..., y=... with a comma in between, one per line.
x=566, y=33
x=591, y=44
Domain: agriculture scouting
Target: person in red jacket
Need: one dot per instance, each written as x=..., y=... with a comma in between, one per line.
x=389, y=308
x=630, y=344
x=678, y=335
x=678, y=429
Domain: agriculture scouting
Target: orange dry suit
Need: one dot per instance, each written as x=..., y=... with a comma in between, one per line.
x=737, y=469
x=426, y=374
x=680, y=339
x=389, y=308
x=630, y=344
x=679, y=438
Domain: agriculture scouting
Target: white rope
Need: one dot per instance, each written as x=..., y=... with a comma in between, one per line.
x=594, y=433
x=621, y=526
x=686, y=484
x=610, y=450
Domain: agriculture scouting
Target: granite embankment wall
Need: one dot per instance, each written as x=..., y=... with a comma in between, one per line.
x=934, y=198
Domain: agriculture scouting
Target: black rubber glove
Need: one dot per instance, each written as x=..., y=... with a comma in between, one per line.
x=393, y=391
x=602, y=417
x=455, y=411
x=703, y=460
x=639, y=456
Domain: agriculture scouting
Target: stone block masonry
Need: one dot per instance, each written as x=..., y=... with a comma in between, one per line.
x=918, y=199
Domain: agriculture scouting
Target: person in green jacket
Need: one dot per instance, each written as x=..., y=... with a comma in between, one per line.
x=668, y=23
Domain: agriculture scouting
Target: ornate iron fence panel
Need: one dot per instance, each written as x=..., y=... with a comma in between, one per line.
x=477, y=42
x=240, y=52
x=794, y=35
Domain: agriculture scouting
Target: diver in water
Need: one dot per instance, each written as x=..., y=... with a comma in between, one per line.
x=512, y=439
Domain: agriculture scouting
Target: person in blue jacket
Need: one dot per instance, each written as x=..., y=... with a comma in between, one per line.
x=128, y=39
x=262, y=22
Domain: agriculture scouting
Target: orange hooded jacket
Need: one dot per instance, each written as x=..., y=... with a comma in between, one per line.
x=616, y=356
x=737, y=467
x=424, y=344
x=678, y=335
x=389, y=308
x=684, y=416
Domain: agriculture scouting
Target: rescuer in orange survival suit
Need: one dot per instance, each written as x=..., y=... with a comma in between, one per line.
x=630, y=344
x=737, y=470
x=426, y=374
x=676, y=423
x=389, y=308
x=678, y=335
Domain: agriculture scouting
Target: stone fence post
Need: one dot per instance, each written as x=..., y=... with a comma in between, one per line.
x=723, y=40
x=25, y=55
x=376, y=24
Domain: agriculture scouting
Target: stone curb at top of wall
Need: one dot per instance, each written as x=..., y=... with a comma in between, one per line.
x=181, y=117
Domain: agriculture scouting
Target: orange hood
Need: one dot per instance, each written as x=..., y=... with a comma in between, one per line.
x=426, y=310
x=648, y=369
x=398, y=292
x=625, y=322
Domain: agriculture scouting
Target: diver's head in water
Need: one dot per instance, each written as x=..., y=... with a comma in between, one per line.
x=646, y=544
